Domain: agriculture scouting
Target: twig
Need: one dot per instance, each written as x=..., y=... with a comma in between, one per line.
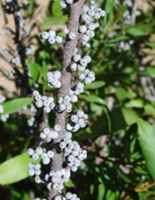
x=69, y=48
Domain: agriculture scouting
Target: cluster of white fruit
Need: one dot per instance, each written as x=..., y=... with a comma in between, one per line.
x=80, y=63
x=73, y=154
x=68, y=196
x=39, y=155
x=51, y=37
x=45, y=102
x=65, y=103
x=91, y=15
x=65, y=3
x=58, y=178
x=49, y=134
x=78, y=120
x=54, y=79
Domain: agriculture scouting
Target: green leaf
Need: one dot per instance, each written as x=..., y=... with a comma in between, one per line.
x=150, y=110
x=54, y=22
x=110, y=195
x=14, y=169
x=123, y=94
x=15, y=105
x=44, y=71
x=147, y=142
x=151, y=45
x=101, y=191
x=130, y=116
x=93, y=99
x=135, y=103
x=57, y=20
x=26, y=197
x=95, y=85
x=149, y=71
x=34, y=70
x=69, y=184
x=109, y=9
x=57, y=9
x=140, y=30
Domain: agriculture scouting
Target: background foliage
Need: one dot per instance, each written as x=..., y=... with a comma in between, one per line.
x=120, y=137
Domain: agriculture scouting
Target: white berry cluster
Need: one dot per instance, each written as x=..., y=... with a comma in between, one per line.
x=72, y=151
x=31, y=120
x=51, y=138
x=48, y=134
x=69, y=196
x=58, y=178
x=65, y=3
x=91, y=13
x=78, y=120
x=52, y=37
x=65, y=103
x=54, y=79
x=39, y=155
x=87, y=76
x=45, y=102
x=80, y=63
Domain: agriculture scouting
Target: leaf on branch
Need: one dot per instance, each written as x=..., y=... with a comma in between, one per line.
x=140, y=30
x=95, y=85
x=93, y=99
x=56, y=9
x=34, y=70
x=147, y=142
x=14, y=169
x=15, y=105
x=57, y=20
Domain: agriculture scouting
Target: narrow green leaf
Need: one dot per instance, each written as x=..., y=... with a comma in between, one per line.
x=124, y=93
x=140, y=30
x=93, y=99
x=34, y=70
x=95, y=85
x=14, y=169
x=54, y=22
x=15, y=105
x=135, y=103
x=101, y=191
x=150, y=71
x=57, y=9
x=44, y=71
x=130, y=116
x=69, y=184
x=110, y=195
x=147, y=142
x=150, y=109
